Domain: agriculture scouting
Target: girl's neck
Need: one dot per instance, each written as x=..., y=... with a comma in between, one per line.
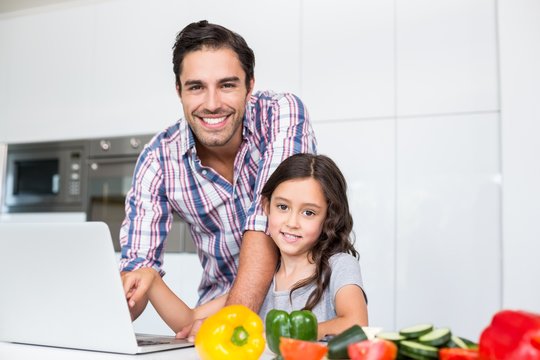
x=293, y=270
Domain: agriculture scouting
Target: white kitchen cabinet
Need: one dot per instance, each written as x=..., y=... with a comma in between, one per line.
x=446, y=57
x=47, y=70
x=449, y=246
x=520, y=114
x=348, y=59
x=365, y=152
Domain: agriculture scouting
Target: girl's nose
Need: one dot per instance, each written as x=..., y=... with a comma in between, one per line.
x=292, y=220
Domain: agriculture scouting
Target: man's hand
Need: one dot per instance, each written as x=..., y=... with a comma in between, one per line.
x=136, y=284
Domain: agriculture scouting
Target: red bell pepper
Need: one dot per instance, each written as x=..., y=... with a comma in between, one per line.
x=458, y=354
x=294, y=349
x=376, y=349
x=511, y=335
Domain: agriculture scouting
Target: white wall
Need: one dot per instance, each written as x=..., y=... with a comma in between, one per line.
x=404, y=95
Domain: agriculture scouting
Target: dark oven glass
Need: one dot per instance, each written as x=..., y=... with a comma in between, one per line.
x=37, y=177
x=109, y=180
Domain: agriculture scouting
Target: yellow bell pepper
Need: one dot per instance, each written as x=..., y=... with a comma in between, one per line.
x=234, y=332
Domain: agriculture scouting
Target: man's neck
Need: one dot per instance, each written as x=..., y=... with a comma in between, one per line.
x=221, y=159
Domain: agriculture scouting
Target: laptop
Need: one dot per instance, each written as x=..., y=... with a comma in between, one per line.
x=60, y=286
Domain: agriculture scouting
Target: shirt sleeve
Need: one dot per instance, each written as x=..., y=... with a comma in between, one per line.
x=287, y=130
x=148, y=216
x=345, y=271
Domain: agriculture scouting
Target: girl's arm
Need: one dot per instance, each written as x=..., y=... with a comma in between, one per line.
x=170, y=307
x=351, y=309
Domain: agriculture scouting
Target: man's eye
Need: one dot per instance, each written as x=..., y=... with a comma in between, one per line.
x=229, y=85
x=195, y=87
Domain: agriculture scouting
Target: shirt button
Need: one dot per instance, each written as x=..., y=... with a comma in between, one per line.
x=204, y=172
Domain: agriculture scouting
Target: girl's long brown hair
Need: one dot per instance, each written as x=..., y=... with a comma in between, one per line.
x=337, y=228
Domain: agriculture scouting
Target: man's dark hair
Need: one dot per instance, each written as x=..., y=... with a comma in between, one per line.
x=201, y=34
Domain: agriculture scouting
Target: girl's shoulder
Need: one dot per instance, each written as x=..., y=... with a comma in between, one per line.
x=342, y=258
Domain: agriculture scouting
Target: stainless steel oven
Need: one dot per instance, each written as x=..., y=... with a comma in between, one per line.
x=45, y=177
x=110, y=165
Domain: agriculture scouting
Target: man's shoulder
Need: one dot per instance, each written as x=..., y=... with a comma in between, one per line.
x=266, y=98
x=171, y=135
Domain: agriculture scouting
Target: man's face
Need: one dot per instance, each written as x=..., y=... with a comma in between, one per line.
x=213, y=94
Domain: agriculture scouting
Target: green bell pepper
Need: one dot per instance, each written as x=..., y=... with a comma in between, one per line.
x=299, y=324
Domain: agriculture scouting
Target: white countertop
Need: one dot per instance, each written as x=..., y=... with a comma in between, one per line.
x=10, y=351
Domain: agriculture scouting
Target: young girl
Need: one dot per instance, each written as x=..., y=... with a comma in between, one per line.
x=308, y=219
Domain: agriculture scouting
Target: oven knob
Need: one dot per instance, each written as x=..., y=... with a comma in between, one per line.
x=94, y=166
x=134, y=142
x=105, y=145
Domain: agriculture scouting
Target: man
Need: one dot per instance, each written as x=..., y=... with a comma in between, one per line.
x=210, y=166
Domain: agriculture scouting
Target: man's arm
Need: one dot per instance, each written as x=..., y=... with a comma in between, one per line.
x=257, y=264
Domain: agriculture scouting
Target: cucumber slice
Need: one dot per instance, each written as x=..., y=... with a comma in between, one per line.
x=470, y=344
x=391, y=336
x=411, y=348
x=416, y=331
x=456, y=342
x=404, y=354
x=436, y=337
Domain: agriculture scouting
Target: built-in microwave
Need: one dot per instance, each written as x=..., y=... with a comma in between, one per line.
x=45, y=177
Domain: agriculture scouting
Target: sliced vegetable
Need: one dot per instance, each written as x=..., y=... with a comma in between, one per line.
x=394, y=337
x=456, y=342
x=234, y=332
x=416, y=331
x=418, y=351
x=376, y=349
x=458, y=354
x=293, y=349
x=436, y=337
x=299, y=324
x=470, y=344
x=337, y=346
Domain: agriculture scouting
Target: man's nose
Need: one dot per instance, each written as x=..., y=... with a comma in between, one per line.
x=213, y=100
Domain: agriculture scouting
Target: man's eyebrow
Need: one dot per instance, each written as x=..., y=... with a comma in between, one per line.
x=221, y=81
x=229, y=79
x=192, y=82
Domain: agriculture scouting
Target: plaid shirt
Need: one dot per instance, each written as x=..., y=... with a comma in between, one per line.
x=169, y=177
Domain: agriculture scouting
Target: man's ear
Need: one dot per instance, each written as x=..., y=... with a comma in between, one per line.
x=251, y=86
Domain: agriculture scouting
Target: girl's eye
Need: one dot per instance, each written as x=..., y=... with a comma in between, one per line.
x=309, y=213
x=282, y=207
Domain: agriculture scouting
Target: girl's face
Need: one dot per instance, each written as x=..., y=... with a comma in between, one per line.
x=296, y=214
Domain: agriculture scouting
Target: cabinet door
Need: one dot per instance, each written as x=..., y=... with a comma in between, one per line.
x=448, y=264
x=446, y=56
x=365, y=153
x=348, y=59
x=47, y=69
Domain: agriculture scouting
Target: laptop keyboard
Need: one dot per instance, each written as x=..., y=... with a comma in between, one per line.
x=141, y=342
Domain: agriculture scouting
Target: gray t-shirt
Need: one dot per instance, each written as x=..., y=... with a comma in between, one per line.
x=345, y=271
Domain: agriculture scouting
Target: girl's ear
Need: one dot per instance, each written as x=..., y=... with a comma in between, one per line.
x=266, y=206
